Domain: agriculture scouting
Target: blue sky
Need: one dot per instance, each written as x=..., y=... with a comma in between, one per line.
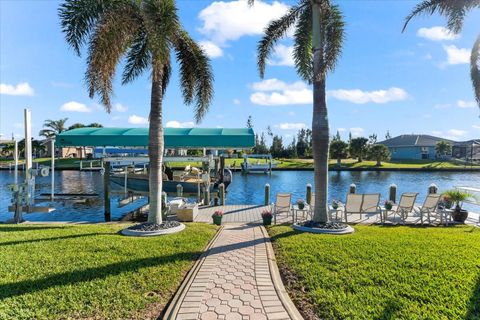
x=415, y=82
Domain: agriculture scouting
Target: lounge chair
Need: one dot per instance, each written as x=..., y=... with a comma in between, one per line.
x=282, y=205
x=429, y=207
x=404, y=207
x=361, y=203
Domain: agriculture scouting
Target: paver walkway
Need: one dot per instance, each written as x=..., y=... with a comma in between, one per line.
x=234, y=281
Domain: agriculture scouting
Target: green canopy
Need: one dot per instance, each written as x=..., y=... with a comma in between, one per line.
x=173, y=137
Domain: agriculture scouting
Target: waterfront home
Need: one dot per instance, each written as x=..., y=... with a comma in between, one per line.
x=413, y=146
x=467, y=150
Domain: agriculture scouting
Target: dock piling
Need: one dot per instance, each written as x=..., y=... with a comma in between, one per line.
x=309, y=194
x=221, y=191
x=106, y=191
x=267, y=194
x=179, y=190
x=353, y=188
x=432, y=189
x=393, y=193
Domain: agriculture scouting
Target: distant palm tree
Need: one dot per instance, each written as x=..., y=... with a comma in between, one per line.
x=144, y=32
x=318, y=39
x=443, y=148
x=53, y=127
x=455, y=12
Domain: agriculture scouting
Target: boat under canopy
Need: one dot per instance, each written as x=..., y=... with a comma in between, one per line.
x=174, y=138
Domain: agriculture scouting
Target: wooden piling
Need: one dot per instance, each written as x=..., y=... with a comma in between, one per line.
x=267, y=194
x=106, y=191
x=309, y=194
x=353, y=188
x=221, y=191
x=393, y=193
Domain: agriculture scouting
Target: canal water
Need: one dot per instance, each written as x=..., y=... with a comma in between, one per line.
x=245, y=189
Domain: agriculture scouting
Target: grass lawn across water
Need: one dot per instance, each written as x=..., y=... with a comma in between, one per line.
x=383, y=272
x=90, y=271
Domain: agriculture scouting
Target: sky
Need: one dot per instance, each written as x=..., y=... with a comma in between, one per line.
x=412, y=82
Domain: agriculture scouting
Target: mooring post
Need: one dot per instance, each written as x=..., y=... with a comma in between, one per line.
x=179, y=190
x=432, y=189
x=221, y=191
x=106, y=191
x=353, y=188
x=309, y=194
x=206, y=195
x=52, y=171
x=267, y=194
x=393, y=193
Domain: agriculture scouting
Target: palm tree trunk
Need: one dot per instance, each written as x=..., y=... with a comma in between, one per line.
x=155, y=148
x=320, y=130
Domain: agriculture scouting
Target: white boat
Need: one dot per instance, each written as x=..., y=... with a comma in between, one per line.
x=263, y=164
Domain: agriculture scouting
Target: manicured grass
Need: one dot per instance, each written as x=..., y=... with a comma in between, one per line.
x=90, y=271
x=383, y=272
x=352, y=163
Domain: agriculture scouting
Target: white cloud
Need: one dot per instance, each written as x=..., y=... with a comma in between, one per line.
x=476, y=127
x=236, y=101
x=457, y=55
x=360, y=97
x=436, y=34
x=276, y=85
x=74, y=106
x=134, y=119
x=341, y=129
x=357, y=132
x=21, y=89
x=466, y=104
x=291, y=126
x=282, y=56
x=120, y=108
x=211, y=49
x=456, y=132
x=176, y=124
x=226, y=21
x=280, y=93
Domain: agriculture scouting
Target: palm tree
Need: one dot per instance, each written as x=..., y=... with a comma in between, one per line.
x=53, y=127
x=338, y=150
x=145, y=33
x=379, y=153
x=318, y=38
x=455, y=12
x=443, y=148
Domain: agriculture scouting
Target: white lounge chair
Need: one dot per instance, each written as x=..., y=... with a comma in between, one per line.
x=404, y=207
x=282, y=205
x=429, y=207
x=361, y=204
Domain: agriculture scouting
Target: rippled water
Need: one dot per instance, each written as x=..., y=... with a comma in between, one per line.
x=245, y=189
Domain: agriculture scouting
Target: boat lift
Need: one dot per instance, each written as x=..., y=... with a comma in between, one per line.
x=258, y=167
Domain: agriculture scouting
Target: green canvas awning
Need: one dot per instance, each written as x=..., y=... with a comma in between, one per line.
x=173, y=137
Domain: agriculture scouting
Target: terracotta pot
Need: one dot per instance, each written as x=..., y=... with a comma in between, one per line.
x=459, y=215
x=267, y=221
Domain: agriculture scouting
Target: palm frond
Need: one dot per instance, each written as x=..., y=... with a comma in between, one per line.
x=78, y=19
x=196, y=76
x=453, y=10
x=110, y=40
x=276, y=30
x=138, y=57
x=475, y=69
x=302, y=48
x=334, y=36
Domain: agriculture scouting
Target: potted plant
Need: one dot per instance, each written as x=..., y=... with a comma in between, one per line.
x=217, y=217
x=335, y=204
x=445, y=202
x=267, y=217
x=456, y=197
x=388, y=204
x=301, y=204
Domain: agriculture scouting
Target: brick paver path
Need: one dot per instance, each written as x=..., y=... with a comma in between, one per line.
x=234, y=280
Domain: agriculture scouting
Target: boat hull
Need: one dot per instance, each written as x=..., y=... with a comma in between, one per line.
x=140, y=184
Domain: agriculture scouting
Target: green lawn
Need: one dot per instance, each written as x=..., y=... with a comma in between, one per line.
x=90, y=271
x=383, y=272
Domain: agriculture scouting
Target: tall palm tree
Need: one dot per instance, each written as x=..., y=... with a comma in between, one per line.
x=318, y=38
x=53, y=127
x=145, y=33
x=455, y=12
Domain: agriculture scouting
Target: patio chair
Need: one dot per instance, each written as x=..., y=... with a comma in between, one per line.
x=429, y=207
x=404, y=207
x=371, y=204
x=352, y=205
x=282, y=205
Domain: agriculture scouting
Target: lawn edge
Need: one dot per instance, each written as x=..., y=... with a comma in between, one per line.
x=277, y=279
x=173, y=305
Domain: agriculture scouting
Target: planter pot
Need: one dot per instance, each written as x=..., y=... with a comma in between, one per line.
x=459, y=215
x=267, y=221
x=217, y=220
x=388, y=207
x=301, y=206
